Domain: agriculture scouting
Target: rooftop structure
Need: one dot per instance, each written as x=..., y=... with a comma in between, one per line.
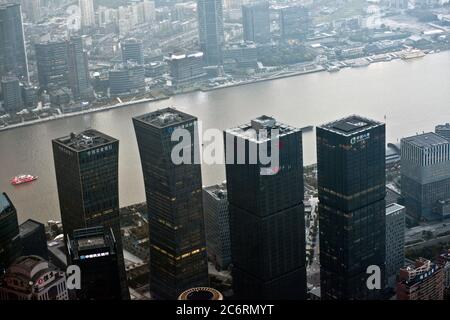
x=85, y=140
x=165, y=117
x=351, y=125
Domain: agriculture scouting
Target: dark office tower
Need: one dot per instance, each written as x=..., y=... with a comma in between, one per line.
x=267, y=223
x=87, y=177
x=425, y=176
x=12, y=94
x=94, y=251
x=52, y=64
x=78, y=69
x=294, y=22
x=34, y=240
x=351, y=185
x=210, y=25
x=10, y=245
x=13, y=57
x=256, y=22
x=132, y=51
x=174, y=198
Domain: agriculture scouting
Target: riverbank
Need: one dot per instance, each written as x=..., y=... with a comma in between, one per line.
x=78, y=113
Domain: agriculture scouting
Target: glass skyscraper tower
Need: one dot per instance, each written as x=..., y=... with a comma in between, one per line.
x=352, y=188
x=178, y=258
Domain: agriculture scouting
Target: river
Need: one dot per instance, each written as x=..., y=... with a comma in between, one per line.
x=413, y=95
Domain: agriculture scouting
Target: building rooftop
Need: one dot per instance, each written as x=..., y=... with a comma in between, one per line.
x=426, y=140
x=250, y=131
x=443, y=126
x=180, y=56
x=393, y=207
x=350, y=125
x=29, y=226
x=91, y=243
x=85, y=140
x=165, y=118
x=218, y=191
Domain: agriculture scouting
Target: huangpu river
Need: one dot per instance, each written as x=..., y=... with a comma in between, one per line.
x=410, y=96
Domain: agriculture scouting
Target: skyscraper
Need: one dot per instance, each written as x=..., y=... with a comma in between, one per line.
x=13, y=57
x=395, y=242
x=34, y=240
x=78, y=69
x=87, y=13
x=86, y=166
x=10, y=244
x=94, y=251
x=422, y=281
x=174, y=198
x=210, y=25
x=52, y=64
x=294, y=22
x=217, y=225
x=12, y=94
x=267, y=223
x=352, y=188
x=256, y=22
x=33, y=278
x=425, y=175
x=186, y=69
x=132, y=51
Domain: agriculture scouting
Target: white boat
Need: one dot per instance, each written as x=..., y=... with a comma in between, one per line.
x=412, y=54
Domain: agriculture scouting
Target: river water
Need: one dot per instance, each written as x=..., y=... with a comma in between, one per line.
x=413, y=95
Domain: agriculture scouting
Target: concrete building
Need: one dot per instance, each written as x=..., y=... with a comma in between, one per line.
x=186, y=69
x=443, y=130
x=210, y=25
x=126, y=79
x=422, y=281
x=87, y=13
x=13, y=57
x=425, y=176
x=12, y=94
x=395, y=242
x=217, y=225
x=33, y=278
x=267, y=223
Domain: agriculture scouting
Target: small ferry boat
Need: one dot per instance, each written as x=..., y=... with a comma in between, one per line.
x=23, y=178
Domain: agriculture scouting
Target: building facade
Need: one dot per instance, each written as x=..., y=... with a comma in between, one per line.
x=267, y=224
x=443, y=130
x=94, y=251
x=422, y=281
x=13, y=56
x=10, y=244
x=352, y=188
x=211, y=35
x=186, y=69
x=425, y=176
x=33, y=278
x=132, y=51
x=34, y=240
x=78, y=69
x=294, y=22
x=395, y=242
x=178, y=258
x=52, y=64
x=12, y=94
x=256, y=22
x=87, y=176
x=126, y=79
x=217, y=225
